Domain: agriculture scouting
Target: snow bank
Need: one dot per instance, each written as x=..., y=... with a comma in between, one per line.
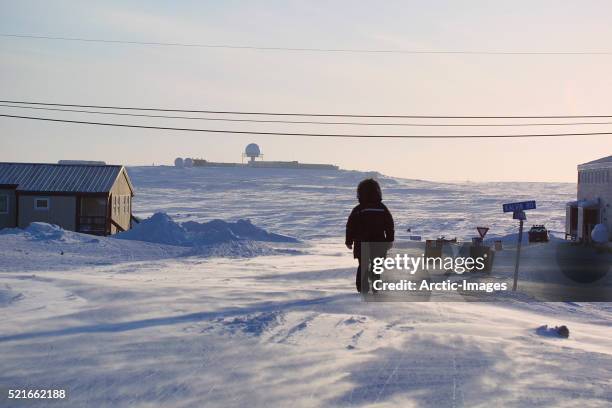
x=43, y=246
x=161, y=229
x=41, y=231
x=47, y=247
x=216, y=231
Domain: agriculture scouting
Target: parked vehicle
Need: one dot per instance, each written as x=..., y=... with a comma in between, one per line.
x=538, y=233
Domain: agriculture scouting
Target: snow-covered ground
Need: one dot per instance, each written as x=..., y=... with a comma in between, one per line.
x=268, y=322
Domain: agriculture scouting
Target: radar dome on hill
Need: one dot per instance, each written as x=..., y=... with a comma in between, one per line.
x=178, y=162
x=252, y=151
x=188, y=162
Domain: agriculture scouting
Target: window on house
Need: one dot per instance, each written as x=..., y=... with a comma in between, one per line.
x=41, y=204
x=4, y=204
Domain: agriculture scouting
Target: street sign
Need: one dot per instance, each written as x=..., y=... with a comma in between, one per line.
x=521, y=206
x=518, y=213
x=482, y=231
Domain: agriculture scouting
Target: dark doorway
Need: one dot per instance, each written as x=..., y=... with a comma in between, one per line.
x=590, y=219
x=92, y=216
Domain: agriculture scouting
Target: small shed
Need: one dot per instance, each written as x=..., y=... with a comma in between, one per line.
x=89, y=198
x=594, y=200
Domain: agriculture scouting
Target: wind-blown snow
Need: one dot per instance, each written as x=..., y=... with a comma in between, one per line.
x=122, y=322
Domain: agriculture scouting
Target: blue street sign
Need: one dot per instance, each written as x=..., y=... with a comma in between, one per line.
x=522, y=206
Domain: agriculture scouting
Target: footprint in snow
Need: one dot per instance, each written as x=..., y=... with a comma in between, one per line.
x=354, y=340
x=354, y=320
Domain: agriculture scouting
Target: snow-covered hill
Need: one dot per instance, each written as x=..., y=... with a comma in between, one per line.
x=315, y=204
x=121, y=322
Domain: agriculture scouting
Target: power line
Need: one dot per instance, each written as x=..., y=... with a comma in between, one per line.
x=343, y=115
x=330, y=135
x=141, y=115
x=304, y=49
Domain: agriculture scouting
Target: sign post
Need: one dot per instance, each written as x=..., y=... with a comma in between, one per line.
x=518, y=210
x=520, y=215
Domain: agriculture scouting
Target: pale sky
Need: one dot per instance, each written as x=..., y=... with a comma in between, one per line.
x=243, y=80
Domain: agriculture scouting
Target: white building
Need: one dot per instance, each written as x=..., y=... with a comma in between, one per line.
x=594, y=200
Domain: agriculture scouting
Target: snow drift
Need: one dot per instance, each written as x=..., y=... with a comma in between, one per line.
x=41, y=231
x=43, y=246
x=161, y=229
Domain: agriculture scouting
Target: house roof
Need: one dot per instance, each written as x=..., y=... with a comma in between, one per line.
x=599, y=164
x=602, y=160
x=61, y=178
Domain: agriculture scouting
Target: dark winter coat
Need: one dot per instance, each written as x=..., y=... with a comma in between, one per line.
x=369, y=222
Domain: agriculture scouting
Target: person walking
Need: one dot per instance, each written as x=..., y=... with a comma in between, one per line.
x=370, y=221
